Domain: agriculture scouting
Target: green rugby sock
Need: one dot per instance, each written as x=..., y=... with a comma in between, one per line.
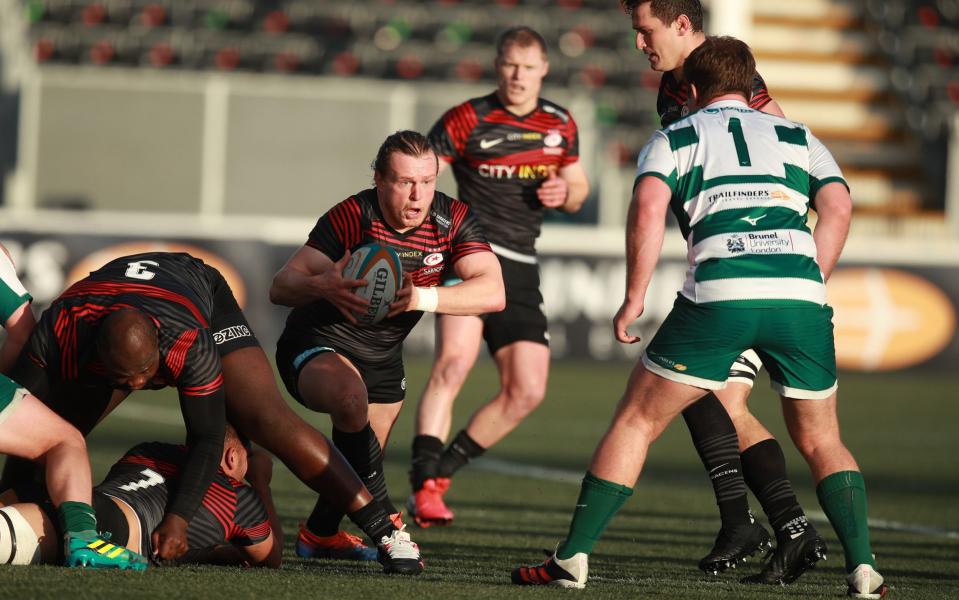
x=599, y=500
x=842, y=496
x=77, y=518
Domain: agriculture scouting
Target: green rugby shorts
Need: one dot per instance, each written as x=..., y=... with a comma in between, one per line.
x=10, y=396
x=697, y=343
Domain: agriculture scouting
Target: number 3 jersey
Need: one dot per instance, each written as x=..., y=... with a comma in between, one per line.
x=175, y=290
x=741, y=184
x=230, y=513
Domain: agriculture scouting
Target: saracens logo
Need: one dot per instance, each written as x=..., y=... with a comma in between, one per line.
x=433, y=259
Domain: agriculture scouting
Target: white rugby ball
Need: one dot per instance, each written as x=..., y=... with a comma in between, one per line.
x=380, y=266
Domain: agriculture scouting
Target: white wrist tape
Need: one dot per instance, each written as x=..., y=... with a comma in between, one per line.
x=427, y=298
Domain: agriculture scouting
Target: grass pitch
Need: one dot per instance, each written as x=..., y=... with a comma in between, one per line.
x=900, y=427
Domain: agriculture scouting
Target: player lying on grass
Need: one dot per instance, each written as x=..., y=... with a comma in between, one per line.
x=159, y=319
x=354, y=373
x=741, y=184
x=235, y=524
x=30, y=430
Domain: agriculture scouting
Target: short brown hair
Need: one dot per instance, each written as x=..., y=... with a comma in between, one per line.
x=721, y=65
x=668, y=11
x=521, y=36
x=410, y=143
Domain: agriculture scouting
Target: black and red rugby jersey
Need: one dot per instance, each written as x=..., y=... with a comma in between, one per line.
x=230, y=512
x=449, y=233
x=174, y=290
x=499, y=159
x=671, y=102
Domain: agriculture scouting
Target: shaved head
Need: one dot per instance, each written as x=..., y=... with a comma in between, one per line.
x=128, y=347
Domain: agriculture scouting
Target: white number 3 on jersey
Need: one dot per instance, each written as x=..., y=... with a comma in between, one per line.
x=138, y=269
x=151, y=479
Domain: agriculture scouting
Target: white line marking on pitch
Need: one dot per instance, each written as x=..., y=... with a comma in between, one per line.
x=504, y=467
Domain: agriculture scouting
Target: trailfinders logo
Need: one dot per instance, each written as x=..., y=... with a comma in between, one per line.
x=747, y=195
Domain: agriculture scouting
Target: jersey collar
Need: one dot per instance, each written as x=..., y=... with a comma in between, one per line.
x=727, y=104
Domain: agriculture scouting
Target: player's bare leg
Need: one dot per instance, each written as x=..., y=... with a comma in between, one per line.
x=814, y=428
x=31, y=430
x=735, y=399
x=649, y=404
x=458, y=341
x=523, y=369
x=257, y=410
x=36, y=433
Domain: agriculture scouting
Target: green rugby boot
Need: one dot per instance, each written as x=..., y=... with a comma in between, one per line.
x=94, y=551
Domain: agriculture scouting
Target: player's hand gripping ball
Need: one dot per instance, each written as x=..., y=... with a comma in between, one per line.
x=380, y=266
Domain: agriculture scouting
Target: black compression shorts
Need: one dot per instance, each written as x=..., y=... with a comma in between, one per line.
x=385, y=380
x=523, y=318
x=228, y=325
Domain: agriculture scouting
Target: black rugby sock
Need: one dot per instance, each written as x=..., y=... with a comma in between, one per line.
x=714, y=437
x=426, y=457
x=362, y=450
x=461, y=450
x=374, y=520
x=324, y=520
x=764, y=468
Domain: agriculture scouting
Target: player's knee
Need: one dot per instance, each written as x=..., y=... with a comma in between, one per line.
x=451, y=371
x=812, y=444
x=524, y=399
x=351, y=412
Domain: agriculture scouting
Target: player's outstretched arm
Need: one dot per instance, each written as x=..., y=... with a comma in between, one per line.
x=834, y=211
x=311, y=275
x=645, y=230
x=480, y=292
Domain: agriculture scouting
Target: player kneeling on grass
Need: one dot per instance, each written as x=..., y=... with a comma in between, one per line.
x=332, y=364
x=741, y=184
x=235, y=524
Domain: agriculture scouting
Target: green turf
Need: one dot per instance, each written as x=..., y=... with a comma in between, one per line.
x=900, y=427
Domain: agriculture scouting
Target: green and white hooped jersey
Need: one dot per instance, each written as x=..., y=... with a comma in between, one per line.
x=12, y=292
x=742, y=181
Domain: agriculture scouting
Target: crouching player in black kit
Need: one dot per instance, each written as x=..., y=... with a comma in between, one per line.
x=354, y=373
x=231, y=526
x=154, y=320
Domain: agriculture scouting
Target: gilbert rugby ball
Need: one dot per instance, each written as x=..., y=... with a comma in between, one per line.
x=380, y=266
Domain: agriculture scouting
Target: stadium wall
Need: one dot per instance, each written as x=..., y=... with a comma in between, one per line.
x=895, y=300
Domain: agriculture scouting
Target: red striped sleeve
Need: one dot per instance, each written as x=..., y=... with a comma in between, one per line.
x=176, y=357
x=205, y=389
x=460, y=122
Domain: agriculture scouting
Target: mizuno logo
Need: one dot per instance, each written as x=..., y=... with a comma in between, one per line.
x=486, y=144
x=793, y=536
x=753, y=220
